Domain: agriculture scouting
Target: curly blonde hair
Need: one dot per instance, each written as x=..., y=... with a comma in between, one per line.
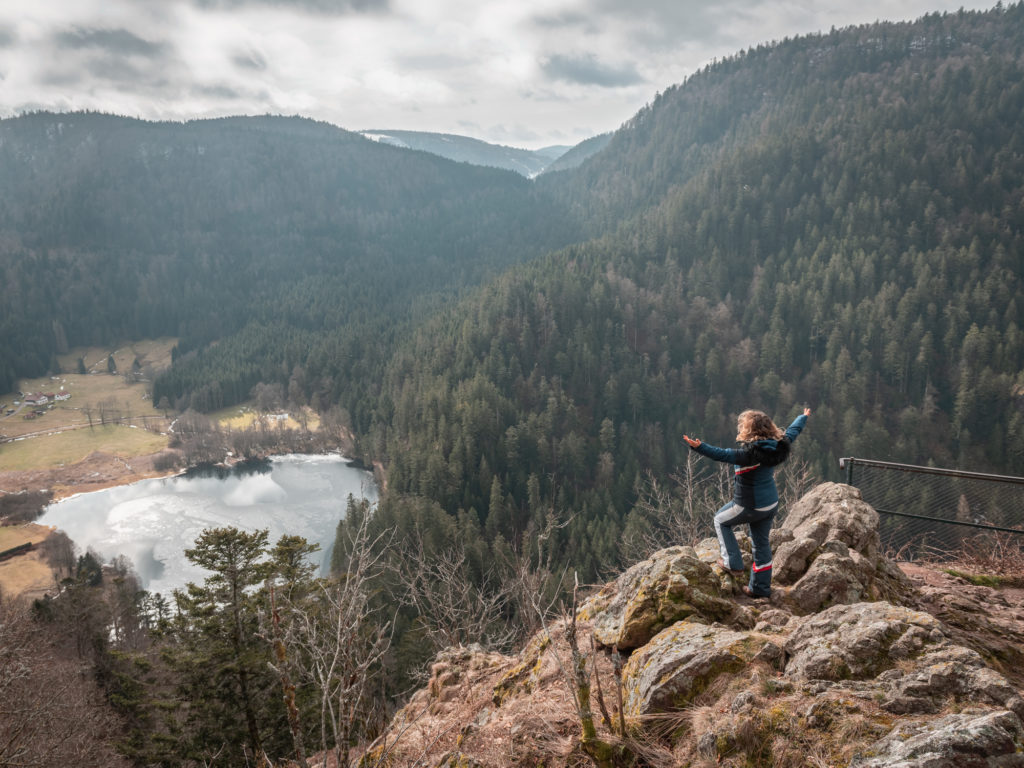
x=756, y=425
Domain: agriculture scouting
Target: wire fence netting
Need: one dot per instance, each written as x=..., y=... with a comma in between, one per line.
x=934, y=512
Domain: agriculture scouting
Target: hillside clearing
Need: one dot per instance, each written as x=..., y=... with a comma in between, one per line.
x=72, y=445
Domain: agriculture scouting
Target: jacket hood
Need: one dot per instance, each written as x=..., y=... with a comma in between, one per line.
x=769, y=453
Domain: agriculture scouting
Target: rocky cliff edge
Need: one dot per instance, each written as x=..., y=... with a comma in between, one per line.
x=852, y=662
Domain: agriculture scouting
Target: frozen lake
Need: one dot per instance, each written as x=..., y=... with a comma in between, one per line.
x=154, y=521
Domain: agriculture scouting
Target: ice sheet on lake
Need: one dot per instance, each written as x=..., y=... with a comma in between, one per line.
x=152, y=522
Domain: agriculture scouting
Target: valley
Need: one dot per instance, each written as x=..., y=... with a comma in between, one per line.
x=832, y=222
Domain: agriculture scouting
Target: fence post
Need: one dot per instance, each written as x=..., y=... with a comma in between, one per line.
x=847, y=464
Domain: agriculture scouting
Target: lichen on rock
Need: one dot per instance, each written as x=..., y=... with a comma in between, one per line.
x=858, y=641
x=974, y=740
x=671, y=585
x=828, y=553
x=680, y=663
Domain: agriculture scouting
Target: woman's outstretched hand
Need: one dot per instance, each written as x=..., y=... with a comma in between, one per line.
x=692, y=442
x=807, y=411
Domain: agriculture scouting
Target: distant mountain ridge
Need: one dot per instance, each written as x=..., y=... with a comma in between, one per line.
x=464, y=149
x=113, y=227
x=580, y=153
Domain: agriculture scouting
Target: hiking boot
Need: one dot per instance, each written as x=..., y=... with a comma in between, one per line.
x=721, y=564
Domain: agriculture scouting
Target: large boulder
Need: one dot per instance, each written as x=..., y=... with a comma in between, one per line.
x=967, y=740
x=858, y=641
x=671, y=585
x=828, y=553
x=680, y=663
x=945, y=673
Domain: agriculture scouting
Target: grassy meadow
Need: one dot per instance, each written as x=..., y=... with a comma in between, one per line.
x=62, y=435
x=243, y=416
x=67, y=447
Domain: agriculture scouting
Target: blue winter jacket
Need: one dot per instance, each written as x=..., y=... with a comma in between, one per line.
x=755, y=466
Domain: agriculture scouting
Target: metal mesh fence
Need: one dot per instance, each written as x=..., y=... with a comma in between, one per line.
x=935, y=511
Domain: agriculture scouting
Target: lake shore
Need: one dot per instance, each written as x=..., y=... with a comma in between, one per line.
x=153, y=522
x=27, y=575
x=95, y=472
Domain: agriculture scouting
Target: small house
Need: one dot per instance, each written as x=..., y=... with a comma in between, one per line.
x=63, y=395
x=37, y=398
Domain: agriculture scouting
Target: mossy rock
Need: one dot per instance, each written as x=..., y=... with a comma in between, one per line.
x=680, y=663
x=459, y=760
x=522, y=677
x=671, y=585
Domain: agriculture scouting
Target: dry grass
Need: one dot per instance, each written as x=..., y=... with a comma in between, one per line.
x=27, y=576
x=53, y=451
x=243, y=416
x=129, y=400
x=988, y=559
x=88, y=391
x=155, y=352
x=15, y=535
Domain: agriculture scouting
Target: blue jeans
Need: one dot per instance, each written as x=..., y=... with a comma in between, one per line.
x=760, y=522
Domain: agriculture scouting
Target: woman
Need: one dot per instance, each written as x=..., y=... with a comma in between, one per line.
x=763, y=446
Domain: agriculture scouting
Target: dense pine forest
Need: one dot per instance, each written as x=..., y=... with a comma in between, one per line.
x=291, y=244
x=834, y=221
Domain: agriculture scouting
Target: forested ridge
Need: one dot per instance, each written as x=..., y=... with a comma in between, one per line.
x=833, y=221
x=845, y=232
x=280, y=227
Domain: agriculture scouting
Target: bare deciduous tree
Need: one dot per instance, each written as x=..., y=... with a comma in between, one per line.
x=50, y=714
x=59, y=551
x=795, y=478
x=679, y=512
x=452, y=610
x=334, y=641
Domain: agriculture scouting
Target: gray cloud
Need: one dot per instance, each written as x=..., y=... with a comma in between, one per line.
x=432, y=61
x=561, y=20
x=587, y=70
x=326, y=7
x=252, y=60
x=668, y=23
x=118, y=42
x=63, y=79
x=6, y=37
x=116, y=70
x=221, y=91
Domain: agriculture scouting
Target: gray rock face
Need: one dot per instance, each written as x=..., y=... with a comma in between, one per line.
x=829, y=553
x=680, y=662
x=993, y=740
x=949, y=672
x=833, y=511
x=671, y=585
x=858, y=641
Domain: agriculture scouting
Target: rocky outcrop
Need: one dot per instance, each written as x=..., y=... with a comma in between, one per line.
x=858, y=641
x=951, y=672
x=979, y=740
x=841, y=667
x=828, y=553
x=979, y=617
x=672, y=585
x=680, y=663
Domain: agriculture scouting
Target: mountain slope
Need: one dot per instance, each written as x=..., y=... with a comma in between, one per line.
x=463, y=149
x=846, y=238
x=670, y=665
x=580, y=153
x=115, y=228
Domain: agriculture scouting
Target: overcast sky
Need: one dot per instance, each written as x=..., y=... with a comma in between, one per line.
x=528, y=73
